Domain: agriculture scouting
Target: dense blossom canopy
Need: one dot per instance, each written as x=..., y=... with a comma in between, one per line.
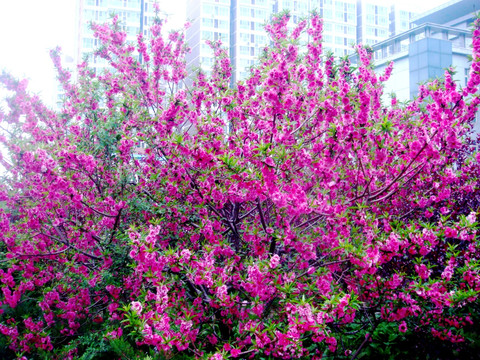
x=291, y=215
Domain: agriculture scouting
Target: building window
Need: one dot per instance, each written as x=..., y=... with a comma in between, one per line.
x=207, y=61
x=221, y=11
x=261, y=39
x=244, y=37
x=260, y=14
x=207, y=35
x=207, y=22
x=223, y=24
x=244, y=12
x=87, y=43
x=207, y=9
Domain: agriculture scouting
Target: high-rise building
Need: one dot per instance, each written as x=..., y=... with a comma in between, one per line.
x=202, y=15
x=297, y=9
x=135, y=16
x=454, y=13
x=339, y=24
x=400, y=19
x=439, y=39
x=373, y=21
x=210, y=20
x=239, y=24
x=247, y=36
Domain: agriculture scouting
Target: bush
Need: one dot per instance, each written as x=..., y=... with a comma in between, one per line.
x=292, y=216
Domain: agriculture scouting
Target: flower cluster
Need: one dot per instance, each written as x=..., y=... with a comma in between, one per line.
x=275, y=217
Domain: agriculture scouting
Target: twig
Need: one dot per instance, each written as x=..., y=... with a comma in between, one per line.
x=98, y=212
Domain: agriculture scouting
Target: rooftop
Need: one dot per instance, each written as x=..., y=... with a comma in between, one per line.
x=460, y=39
x=449, y=11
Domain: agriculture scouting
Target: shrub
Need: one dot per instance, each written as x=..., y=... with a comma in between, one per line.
x=291, y=216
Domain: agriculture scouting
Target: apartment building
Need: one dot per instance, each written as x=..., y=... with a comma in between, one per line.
x=247, y=36
x=135, y=16
x=440, y=39
x=239, y=24
x=373, y=21
x=400, y=19
x=339, y=24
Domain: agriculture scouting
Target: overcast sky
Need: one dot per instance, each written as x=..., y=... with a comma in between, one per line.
x=29, y=28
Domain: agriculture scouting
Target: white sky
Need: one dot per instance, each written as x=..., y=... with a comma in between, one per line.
x=29, y=28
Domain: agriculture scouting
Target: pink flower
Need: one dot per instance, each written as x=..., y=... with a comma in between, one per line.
x=217, y=356
x=112, y=307
x=213, y=339
x=332, y=343
x=185, y=254
x=402, y=327
x=471, y=218
x=222, y=292
x=235, y=352
x=269, y=161
x=422, y=271
x=137, y=307
x=447, y=273
x=451, y=233
x=274, y=261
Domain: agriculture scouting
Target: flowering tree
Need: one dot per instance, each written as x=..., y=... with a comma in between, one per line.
x=291, y=216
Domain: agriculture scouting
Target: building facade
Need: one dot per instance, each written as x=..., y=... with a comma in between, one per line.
x=373, y=21
x=135, y=16
x=400, y=19
x=248, y=38
x=239, y=24
x=339, y=24
x=440, y=39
